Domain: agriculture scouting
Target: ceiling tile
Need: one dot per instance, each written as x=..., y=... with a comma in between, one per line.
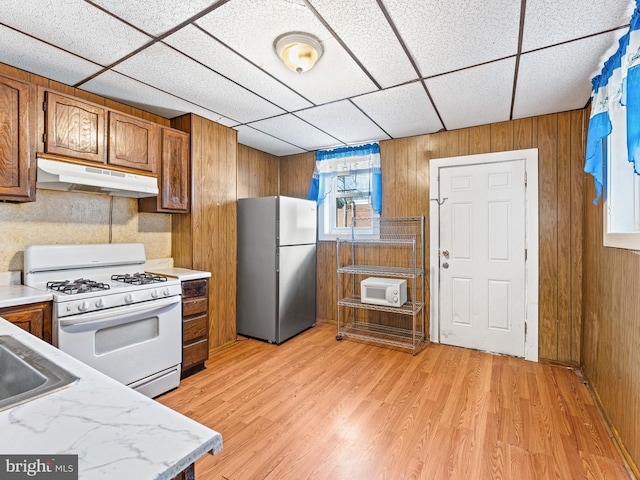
x=155, y=16
x=344, y=121
x=266, y=143
x=200, y=46
x=557, y=79
x=250, y=26
x=75, y=26
x=293, y=130
x=123, y=89
x=169, y=70
x=363, y=27
x=34, y=56
x=475, y=96
x=548, y=22
x=445, y=36
x=401, y=111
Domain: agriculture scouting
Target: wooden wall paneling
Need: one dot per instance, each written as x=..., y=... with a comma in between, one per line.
x=548, y=235
x=387, y=160
x=449, y=144
x=423, y=154
x=400, y=187
x=230, y=228
x=501, y=136
x=326, y=286
x=564, y=316
x=272, y=169
x=254, y=173
x=215, y=245
x=522, y=133
x=479, y=139
x=211, y=228
x=295, y=172
x=578, y=130
x=464, y=137
x=243, y=171
x=202, y=194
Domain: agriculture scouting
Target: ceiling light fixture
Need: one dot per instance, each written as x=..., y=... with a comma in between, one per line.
x=299, y=51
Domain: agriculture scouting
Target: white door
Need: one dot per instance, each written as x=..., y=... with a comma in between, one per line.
x=482, y=256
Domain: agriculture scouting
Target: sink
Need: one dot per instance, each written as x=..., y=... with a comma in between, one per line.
x=26, y=375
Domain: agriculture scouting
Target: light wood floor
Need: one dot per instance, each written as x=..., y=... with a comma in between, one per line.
x=317, y=408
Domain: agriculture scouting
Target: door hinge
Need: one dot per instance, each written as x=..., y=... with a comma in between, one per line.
x=44, y=106
x=525, y=179
x=44, y=138
x=525, y=328
x=525, y=254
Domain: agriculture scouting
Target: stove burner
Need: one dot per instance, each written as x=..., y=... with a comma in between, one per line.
x=81, y=285
x=139, y=278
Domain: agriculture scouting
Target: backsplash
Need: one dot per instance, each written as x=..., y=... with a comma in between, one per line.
x=66, y=217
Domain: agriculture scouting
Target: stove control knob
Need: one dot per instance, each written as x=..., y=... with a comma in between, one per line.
x=165, y=292
x=155, y=293
x=83, y=307
x=100, y=303
x=128, y=298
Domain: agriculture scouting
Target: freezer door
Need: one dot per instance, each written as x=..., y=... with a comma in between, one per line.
x=297, y=290
x=297, y=221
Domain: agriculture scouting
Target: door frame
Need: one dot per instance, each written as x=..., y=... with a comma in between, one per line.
x=530, y=156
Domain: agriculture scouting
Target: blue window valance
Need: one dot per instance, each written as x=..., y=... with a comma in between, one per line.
x=616, y=87
x=329, y=163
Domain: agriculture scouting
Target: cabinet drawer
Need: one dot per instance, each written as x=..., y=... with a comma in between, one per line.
x=194, y=329
x=195, y=353
x=194, y=288
x=192, y=307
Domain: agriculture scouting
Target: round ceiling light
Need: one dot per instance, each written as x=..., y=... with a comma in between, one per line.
x=299, y=51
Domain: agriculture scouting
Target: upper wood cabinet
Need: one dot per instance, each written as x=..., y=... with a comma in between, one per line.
x=17, y=127
x=74, y=128
x=132, y=142
x=174, y=174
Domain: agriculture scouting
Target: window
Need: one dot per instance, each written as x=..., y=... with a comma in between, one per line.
x=347, y=205
x=347, y=185
x=615, y=162
x=622, y=189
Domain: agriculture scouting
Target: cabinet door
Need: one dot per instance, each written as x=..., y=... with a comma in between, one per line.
x=74, y=128
x=17, y=178
x=34, y=318
x=174, y=173
x=174, y=176
x=132, y=142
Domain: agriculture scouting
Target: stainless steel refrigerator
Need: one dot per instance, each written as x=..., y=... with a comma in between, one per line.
x=276, y=267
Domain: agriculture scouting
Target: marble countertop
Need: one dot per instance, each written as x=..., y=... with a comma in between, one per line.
x=11, y=295
x=116, y=431
x=181, y=273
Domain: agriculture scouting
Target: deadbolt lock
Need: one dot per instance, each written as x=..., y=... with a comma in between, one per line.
x=445, y=265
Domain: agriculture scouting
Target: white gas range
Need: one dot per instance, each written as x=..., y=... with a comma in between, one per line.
x=111, y=315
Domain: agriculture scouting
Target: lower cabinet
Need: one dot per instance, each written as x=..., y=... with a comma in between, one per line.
x=195, y=325
x=35, y=318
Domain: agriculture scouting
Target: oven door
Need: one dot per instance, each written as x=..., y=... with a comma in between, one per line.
x=128, y=343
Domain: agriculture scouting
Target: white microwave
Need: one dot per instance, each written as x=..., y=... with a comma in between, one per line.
x=390, y=292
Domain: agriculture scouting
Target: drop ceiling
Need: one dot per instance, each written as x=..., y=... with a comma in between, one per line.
x=391, y=68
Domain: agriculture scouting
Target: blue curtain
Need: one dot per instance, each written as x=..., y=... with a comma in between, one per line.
x=617, y=87
x=363, y=158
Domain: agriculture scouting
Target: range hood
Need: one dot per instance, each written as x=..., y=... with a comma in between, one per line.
x=58, y=175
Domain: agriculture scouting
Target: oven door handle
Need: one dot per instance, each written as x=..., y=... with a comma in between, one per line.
x=148, y=307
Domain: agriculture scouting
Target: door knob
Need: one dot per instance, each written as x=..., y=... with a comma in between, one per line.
x=445, y=253
x=445, y=265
